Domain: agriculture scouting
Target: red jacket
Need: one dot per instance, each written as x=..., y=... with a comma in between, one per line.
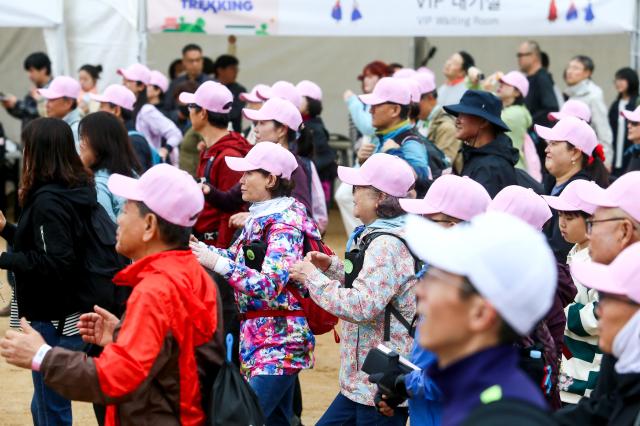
x=213, y=223
x=149, y=374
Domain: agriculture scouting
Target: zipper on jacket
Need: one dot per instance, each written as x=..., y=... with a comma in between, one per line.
x=44, y=244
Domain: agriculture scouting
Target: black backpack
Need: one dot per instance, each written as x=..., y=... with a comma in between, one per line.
x=355, y=259
x=232, y=401
x=438, y=161
x=101, y=262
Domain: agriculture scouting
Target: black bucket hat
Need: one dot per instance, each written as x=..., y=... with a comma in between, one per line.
x=481, y=104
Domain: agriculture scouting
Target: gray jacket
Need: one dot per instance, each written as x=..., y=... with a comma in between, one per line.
x=589, y=93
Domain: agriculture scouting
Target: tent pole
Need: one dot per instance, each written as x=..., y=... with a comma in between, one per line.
x=142, y=31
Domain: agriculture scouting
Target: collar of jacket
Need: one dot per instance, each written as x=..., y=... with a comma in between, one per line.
x=157, y=262
x=393, y=131
x=72, y=116
x=580, y=89
x=500, y=146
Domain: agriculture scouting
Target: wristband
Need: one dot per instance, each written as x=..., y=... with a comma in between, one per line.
x=36, y=362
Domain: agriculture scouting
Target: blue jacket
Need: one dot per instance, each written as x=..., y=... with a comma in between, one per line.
x=412, y=151
x=360, y=116
x=425, y=406
x=481, y=378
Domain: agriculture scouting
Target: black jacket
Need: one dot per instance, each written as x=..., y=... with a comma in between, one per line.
x=558, y=244
x=324, y=157
x=541, y=99
x=614, y=402
x=493, y=165
x=46, y=251
x=634, y=161
x=614, y=114
x=236, y=108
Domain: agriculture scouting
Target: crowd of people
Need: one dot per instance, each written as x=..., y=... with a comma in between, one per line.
x=493, y=244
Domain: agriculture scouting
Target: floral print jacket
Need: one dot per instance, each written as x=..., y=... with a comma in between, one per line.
x=385, y=277
x=271, y=345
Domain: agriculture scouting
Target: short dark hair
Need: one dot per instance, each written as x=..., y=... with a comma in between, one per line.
x=171, y=234
x=108, y=139
x=225, y=61
x=188, y=86
x=631, y=77
x=586, y=62
x=544, y=60
x=433, y=94
x=93, y=70
x=467, y=60
x=208, y=66
x=404, y=111
x=283, y=187
x=38, y=60
x=173, y=68
x=189, y=47
x=506, y=334
x=314, y=107
x=219, y=120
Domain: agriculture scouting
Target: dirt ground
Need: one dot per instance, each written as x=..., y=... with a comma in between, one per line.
x=319, y=385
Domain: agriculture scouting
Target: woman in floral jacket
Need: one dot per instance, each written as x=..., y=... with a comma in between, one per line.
x=275, y=339
x=384, y=279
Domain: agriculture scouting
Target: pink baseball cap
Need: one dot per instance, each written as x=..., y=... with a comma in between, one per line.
x=278, y=109
x=633, y=116
x=517, y=80
x=252, y=96
x=309, y=89
x=268, y=156
x=284, y=90
x=211, y=96
x=522, y=203
x=624, y=194
x=158, y=79
x=425, y=70
x=573, y=130
x=61, y=87
x=459, y=197
x=388, y=89
x=572, y=108
x=621, y=277
x=569, y=201
x=136, y=72
x=426, y=81
x=387, y=173
x=405, y=73
x=117, y=94
x=414, y=89
x=169, y=192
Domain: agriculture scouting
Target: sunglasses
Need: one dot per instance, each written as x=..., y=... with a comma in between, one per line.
x=195, y=107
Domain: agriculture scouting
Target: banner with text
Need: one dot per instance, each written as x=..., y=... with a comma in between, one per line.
x=392, y=17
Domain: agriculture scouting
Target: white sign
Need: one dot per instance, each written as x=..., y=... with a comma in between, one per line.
x=30, y=13
x=392, y=17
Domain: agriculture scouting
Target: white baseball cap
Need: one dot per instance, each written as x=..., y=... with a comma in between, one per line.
x=504, y=258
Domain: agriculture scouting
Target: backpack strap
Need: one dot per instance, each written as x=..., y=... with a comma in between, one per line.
x=207, y=169
x=390, y=310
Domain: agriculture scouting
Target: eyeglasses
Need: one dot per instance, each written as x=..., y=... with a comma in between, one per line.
x=522, y=55
x=590, y=222
x=194, y=106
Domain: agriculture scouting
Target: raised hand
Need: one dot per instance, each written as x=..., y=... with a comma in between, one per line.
x=97, y=327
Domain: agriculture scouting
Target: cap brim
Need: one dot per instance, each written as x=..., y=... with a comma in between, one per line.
x=351, y=176
x=629, y=115
x=435, y=245
x=97, y=98
x=596, y=276
x=125, y=187
x=596, y=196
x=547, y=133
x=417, y=206
x=371, y=99
x=557, y=203
x=264, y=94
x=556, y=116
x=187, y=98
x=246, y=97
x=458, y=109
x=239, y=164
x=49, y=94
x=255, y=114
